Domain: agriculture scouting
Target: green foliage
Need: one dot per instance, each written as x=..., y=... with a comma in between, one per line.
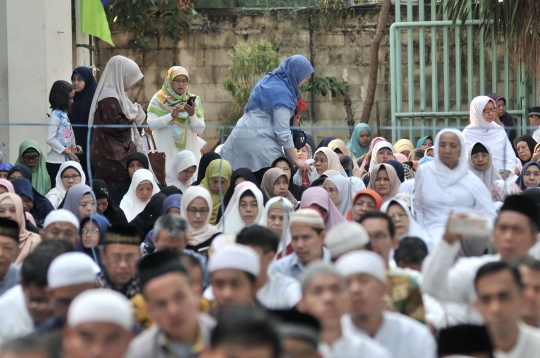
x=323, y=85
x=250, y=62
x=160, y=18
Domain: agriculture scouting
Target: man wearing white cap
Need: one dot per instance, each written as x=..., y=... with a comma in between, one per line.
x=99, y=325
x=307, y=233
x=404, y=337
x=346, y=237
x=61, y=224
x=68, y=275
x=325, y=297
x=233, y=275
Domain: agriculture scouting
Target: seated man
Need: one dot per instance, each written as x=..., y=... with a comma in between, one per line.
x=119, y=254
x=9, y=244
x=346, y=237
x=404, y=337
x=299, y=334
x=529, y=269
x=411, y=253
x=61, y=224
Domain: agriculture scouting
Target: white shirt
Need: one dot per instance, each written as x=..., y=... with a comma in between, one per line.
x=353, y=346
x=451, y=282
x=280, y=292
x=16, y=320
x=527, y=345
x=402, y=336
x=536, y=135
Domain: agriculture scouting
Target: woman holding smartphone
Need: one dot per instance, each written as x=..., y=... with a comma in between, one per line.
x=176, y=116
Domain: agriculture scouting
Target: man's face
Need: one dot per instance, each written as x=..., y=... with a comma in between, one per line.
x=62, y=230
x=173, y=305
x=307, y=243
x=512, y=235
x=120, y=261
x=37, y=303
x=61, y=297
x=162, y=241
x=230, y=350
x=325, y=298
x=379, y=237
x=294, y=347
x=499, y=302
x=531, y=294
x=96, y=340
x=232, y=288
x=365, y=294
x=8, y=254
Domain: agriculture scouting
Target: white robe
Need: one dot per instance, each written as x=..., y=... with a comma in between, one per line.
x=16, y=320
x=353, y=346
x=527, y=345
x=280, y=292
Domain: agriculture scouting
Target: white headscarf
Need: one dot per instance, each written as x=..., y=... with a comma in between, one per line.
x=232, y=222
x=415, y=230
x=120, y=73
x=198, y=236
x=357, y=184
x=490, y=135
x=488, y=175
x=130, y=204
x=287, y=208
x=333, y=160
x=345, y=193
x=183, y=160
x=58, y=193
x=379, y=146
x=446, y=176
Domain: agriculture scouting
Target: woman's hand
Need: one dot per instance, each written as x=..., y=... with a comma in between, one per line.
x=302, y=166
x=71, y=155
x=176, y=111
x=189, y=109
x=79, y=149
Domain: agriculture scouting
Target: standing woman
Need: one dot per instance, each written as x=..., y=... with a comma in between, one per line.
x=110, y=147
x=360, y=139
x=32, y=157
x=175, y=119
x=525, y=148
x=267, y=118
x=504, y=119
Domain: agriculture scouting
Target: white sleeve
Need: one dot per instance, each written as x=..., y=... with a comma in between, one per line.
x=52, y=132
x=418, y=202
x=156, y=122
x=198, y=123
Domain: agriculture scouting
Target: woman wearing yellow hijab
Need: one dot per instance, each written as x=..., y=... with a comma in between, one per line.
x=216, y=180
x=403, y=146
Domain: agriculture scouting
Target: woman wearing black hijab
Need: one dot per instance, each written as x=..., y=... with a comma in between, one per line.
x=324, y=142
x=203, y=164
x=106, y=207
x=134, y=162
x=525, y=148
x=20, y=171
x=37, y=205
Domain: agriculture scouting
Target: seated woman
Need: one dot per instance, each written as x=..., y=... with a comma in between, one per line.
x=33, y=202
x=382, y=153
x=7, y=187
x=181, y=170
x=287, y=166
x=339, y=147
x=80, y=200
x=276, y=183
x=217, y=179
x=384, y=180
x=530, y=176
x=481, y=165
x=276, y=214
x=446, y=184
x=245, y=209
x=364, y=201
x=134, y=162
x=238, y=176
x=525, y=146
x=107, y=207
x=305, y=154
x=403, y=146
x=403, y=220
x=92, y=233
x=340, y=192
x=318, y=198
x=414, y=158
x=424, y=143
x=5, y=167
x=143, y=187
x=31, y=156
x=69, y=174
x=171, y=205
x=324, y=159
x=20, y=171
x=196, y=207
x=11, y=207
x=360, y=139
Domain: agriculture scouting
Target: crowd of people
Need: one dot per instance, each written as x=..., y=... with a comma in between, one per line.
x=268, y=245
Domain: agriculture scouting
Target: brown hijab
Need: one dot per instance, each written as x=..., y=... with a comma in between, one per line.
x=392, y=175
x=268, y=181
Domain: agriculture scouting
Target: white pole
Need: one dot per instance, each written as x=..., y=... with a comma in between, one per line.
x=83, y=54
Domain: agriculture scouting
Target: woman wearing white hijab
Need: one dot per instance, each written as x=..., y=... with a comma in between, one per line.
x=181, y=170
x=403, y=221
x=340, y=192
x=446, y=185
x=276, y=216
x=481, y=164
x=196, y=207
x=245, y=208
x=110, y=147
x=143, y=187
x=69, y=174
x=382, y=152
x=483, y=129
x=324, y=159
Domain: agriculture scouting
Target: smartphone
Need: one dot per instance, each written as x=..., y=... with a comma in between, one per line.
x=191, y=100
x=475, y=226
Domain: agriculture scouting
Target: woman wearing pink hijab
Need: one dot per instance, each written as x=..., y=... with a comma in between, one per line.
x=319, y=199
x=373, y=142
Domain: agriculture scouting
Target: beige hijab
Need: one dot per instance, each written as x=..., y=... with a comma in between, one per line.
x=268, y=181
x=392, y=175
x=339, y=144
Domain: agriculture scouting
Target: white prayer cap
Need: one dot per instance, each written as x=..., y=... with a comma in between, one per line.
x=61, y=215
x=101, y=305
x=72, y=268
x=307, y=217
x=346, y=237
x=235, y=256
x=362, y=262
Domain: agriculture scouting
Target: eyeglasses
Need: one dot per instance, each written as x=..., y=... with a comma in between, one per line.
x=130, y=259
x=73, y=177
x=487, y=110
x=480, y=155
x=91, y=231
x=36, y=305
x=201, y=211
x=32, y=158
x=180, y=82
